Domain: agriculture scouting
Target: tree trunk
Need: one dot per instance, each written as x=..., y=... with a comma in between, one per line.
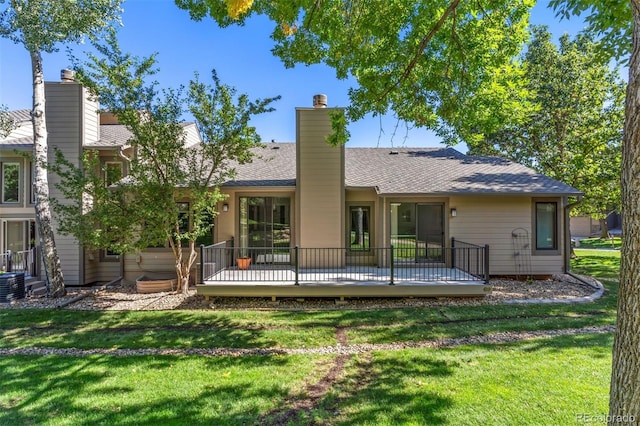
x=604, y=229
x=55, y=280
x=625, y=374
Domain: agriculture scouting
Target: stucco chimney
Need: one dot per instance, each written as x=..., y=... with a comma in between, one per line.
x=319, y=101
x=67, y=75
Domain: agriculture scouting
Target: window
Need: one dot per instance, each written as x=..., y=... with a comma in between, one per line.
x=109, y=256
x=546, y=223
x=112, y=172
x=10, y=182
x=359, y=232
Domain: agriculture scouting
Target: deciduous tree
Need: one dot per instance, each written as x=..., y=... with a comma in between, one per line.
x=172, y=188
x=448, y=66
x=41, y=26
x=573, y=132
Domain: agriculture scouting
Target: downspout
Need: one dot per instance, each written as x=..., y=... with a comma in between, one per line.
x=567, y=234
x=122, y=154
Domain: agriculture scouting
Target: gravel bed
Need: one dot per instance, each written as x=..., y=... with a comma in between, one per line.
x=495, y=338
x=124, y=297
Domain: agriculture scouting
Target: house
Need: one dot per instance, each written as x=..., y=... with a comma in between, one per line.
x=311, y=206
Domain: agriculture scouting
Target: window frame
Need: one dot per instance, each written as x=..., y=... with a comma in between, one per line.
x=555, y=249
x=3, y=167
x=368, y=208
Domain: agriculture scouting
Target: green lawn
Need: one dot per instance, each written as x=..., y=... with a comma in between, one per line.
x=601, y=243
x=540, y=381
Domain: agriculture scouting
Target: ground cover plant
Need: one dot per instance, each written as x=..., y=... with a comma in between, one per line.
x=485, y=364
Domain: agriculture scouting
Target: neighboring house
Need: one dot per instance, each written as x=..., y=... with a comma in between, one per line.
x=586, y=226
x=74, y=125
x=309, y=194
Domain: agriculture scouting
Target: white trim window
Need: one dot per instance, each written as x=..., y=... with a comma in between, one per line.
x=10, y=183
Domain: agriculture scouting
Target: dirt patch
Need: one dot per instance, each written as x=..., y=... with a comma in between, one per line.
x=300, y=406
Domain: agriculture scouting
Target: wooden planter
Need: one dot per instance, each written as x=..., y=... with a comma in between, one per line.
x=243, y=262
x=146, y=284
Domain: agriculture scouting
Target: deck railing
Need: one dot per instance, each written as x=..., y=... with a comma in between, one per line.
x=18, y=261
x=459, y=262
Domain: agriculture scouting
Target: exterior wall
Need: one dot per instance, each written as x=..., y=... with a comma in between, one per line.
x=156, y=261
x=320, y=182
x=493, y=220
x=584, y=226
x=192, y=135
x=71, y=119
x=99, y=268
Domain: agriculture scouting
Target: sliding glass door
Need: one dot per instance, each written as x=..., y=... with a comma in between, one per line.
x=265, y=223
x=417, y=231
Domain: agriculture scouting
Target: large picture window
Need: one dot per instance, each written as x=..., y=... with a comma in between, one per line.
x=546, y=222
x=10, y=182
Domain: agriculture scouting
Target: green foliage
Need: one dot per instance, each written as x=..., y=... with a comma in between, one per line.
x=173, y=182
x=574, y=132
x=40, y=25
x=7, y=124
x=609, y=22
x=447, y=67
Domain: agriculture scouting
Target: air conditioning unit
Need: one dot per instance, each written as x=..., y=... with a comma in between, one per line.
x=11, y=286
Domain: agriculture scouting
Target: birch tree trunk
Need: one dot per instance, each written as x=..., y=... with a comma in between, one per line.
x=625, y=375
x=55, y=280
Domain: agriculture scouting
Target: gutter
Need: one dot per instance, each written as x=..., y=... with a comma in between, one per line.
x=567, y=234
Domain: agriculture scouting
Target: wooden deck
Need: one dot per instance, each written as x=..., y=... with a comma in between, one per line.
x=344, y=284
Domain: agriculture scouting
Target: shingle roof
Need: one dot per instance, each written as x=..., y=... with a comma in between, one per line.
x=275, y=166
x=432, y=171
x=17, y=143
x=20, y=115
x=443, y=171
x=111, y=136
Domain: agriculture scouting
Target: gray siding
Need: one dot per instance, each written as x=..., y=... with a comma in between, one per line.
x=69, y=116
x=493, y=220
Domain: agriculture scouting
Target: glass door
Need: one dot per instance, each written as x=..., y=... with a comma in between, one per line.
x=417, y=232
x=265, y=228
x=430, y=233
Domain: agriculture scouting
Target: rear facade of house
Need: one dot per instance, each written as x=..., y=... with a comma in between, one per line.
x=380, y=206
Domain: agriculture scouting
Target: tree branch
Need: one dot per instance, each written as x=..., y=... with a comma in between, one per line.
x=423, y=44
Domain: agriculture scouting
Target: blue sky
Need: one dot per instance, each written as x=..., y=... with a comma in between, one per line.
x=242, y=57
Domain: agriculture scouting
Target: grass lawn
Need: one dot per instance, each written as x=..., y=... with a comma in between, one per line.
x=601, y=243
x=541, y=381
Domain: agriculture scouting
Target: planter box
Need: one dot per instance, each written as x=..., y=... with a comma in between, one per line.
x=146, y=284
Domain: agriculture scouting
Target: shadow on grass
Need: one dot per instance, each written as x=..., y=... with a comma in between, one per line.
x=138, y=390
x=389, y=390
x=113, y=330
